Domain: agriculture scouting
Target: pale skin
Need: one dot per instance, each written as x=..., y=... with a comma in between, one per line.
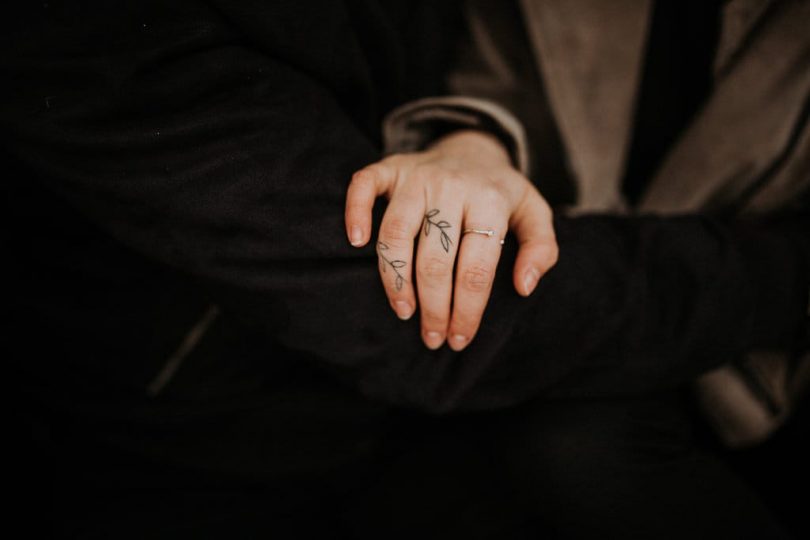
x=463, y=181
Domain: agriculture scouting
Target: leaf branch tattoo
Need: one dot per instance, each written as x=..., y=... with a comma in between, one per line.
x=441, y=225
x=395, y=265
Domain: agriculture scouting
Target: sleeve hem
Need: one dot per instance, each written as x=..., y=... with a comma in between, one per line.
x=413, y=126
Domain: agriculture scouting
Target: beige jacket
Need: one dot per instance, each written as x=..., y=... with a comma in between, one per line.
x=747, y=150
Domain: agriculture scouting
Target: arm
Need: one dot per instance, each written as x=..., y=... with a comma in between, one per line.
x=205, y=154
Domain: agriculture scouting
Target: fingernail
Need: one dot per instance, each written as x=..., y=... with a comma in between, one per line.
x=458, y=341
x=433, y=340
x=530, y=279
x=356, y=237
x=403, y=309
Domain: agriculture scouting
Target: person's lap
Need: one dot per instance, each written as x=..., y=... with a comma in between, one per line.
x=630, y=467
x=574, y=468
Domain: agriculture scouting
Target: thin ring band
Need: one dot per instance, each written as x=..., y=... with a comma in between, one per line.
x=485, y=232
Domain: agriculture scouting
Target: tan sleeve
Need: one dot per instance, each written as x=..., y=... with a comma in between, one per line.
x=413, y=126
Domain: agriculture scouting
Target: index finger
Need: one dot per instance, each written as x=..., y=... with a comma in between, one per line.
x=367, y=184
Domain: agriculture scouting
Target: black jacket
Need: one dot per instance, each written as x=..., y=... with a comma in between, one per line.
x=163, y=157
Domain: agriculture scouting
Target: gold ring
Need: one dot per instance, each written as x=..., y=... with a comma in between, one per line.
x=485, y=232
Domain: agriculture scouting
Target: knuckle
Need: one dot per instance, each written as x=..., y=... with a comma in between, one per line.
x=491, y=197
x=448, y=185
x=456, y=184
x=357, y=205
x=396, y=231
x=433, y=320
x=477, y=278
x=453, y=178
x=356, y=213
x=363, y=177
x=425, y=173
x=464, y=322
x=435, y=268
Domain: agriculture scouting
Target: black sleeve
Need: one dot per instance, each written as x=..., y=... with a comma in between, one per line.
x=211, y=155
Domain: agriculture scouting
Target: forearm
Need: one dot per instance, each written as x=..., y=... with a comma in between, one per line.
x=243, y=191
x=634, y=305
x=673, y=297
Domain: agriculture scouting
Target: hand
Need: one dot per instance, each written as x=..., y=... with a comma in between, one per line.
x=464, y=182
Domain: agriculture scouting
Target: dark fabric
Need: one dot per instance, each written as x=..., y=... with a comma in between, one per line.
x=161, y=157
x=623, y=468
x=676, y=80
x=217, y=154
x=628, y=468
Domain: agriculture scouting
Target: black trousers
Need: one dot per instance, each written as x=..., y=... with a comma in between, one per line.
x=619, y=468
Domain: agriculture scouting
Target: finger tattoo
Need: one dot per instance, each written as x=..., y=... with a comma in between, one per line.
x=441, y=226
x=395, y=265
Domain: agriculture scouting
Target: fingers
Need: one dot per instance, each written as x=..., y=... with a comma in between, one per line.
x=436, y=254
x=534, y=230
x=401, y=223
x=477, y=261
x=367, y=184
x=476, y=255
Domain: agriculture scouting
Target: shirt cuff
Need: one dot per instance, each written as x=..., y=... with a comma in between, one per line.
x=417, y=124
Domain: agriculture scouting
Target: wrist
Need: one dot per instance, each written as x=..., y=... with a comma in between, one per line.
x=418, y=125
x=473, y=144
